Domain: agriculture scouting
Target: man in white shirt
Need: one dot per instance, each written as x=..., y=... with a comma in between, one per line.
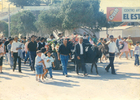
x=112, y=49
x=14, y=53
x=80, y=55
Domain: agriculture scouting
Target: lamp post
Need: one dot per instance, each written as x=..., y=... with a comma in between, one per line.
x=9, y=21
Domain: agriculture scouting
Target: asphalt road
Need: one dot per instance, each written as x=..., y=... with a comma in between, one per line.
x=105, y=86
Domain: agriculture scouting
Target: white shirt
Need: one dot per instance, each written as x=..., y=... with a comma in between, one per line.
x=81, y=49
x=137, y=50
x=49, y=63
x=14, y=46
x=37, y=60
x=112, y=47
x=43, y=56
x=50, y=40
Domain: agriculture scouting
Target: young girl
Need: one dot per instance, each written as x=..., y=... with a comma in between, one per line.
x=125, y=48
x=1, y=56
x=39, y=66
x=136, y=53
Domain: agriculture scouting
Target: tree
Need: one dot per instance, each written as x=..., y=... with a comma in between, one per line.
x=81, y=13
x=49, y=21
x=23, y=23
x=4, y=28
x=21, y=3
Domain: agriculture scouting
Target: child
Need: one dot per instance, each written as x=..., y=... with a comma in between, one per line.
x=48, y=63
x=39, y=66
x=43, y=57
x=9, y=52
x=1, y=56
x=136, y=53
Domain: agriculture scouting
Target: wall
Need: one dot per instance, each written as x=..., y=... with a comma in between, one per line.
x=133, y=31
x=115, y=33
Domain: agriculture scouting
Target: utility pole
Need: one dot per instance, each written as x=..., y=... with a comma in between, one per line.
x=1, y=3
x=9, y=33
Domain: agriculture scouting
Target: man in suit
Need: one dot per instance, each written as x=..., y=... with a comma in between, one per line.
x=80, y=55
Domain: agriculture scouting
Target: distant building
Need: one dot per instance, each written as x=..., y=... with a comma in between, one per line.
x=123, y=31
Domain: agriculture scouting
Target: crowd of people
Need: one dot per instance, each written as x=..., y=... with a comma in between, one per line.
x=38, y=52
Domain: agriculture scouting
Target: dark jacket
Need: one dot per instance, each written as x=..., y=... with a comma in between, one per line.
x=41, y=45
x=77, y=50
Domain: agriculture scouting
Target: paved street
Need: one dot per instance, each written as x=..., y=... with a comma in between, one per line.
x=123, y=86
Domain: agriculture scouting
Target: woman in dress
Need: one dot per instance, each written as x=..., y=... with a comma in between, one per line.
x=125, y=48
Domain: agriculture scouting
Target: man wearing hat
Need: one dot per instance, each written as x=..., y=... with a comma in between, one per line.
x=112, y=49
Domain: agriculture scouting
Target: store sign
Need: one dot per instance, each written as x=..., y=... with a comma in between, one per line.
x=123, y=14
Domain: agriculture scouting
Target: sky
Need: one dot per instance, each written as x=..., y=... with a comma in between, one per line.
x=107, y=3
x=118, y=3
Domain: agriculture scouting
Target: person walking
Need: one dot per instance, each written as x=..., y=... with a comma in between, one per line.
x=107, y=37
x=80, y=55
x=1, y=56
x=5, y=50
x=112, y=48
x=118, y=42
x=32, y=47
x=136, y=53
x=9, y=51
x=125, y=48
x=64, y=53
x=105, y=51
x=14, y=53
x=130, y=43
x=94, y=40
x=27, y=52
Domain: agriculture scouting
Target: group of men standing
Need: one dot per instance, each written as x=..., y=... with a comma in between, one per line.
x=64, y=52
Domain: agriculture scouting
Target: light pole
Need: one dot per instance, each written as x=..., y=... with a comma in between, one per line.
x=9, y=26
x=1, y=3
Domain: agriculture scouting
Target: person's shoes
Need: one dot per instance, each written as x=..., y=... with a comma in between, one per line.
x=66, y=75
x=36, y=79
x=85, y=74
x=106, y=70
x=43, y=80
x=39, y=80
x=31, y=69
x=20, y=72
x=77, y=73
x=13, y=70
x=51, y=77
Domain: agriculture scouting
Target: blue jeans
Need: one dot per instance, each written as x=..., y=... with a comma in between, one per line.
x=11, y=60
x=50, y=71
x=32, y=58
x=64, y=61
x=136, y=59
x=111, y=64
x=23, y=54
x=6, y=57
x=39, y=69
x=26, y=57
